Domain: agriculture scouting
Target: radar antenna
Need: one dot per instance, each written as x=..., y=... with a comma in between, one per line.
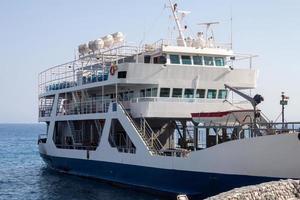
x=208, y=26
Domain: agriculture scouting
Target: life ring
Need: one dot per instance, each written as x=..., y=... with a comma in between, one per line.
x=113, y=69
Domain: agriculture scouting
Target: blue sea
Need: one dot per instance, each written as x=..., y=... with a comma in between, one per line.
x=23, y=175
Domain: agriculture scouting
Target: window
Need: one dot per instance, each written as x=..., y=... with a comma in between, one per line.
x=174, y=59
x=208, y=60
x=142, y=93
x=177, y=92
x=211, y=94
x=219, y=61
x=125, y=96
x=189, y=93
x=164, y=92
x=200, y=93
x=118, y=138
x=130, y=95
x=222, y=94
x=154, y=92
x=147, y=59
x=186, y=60
x=148, y=92
x=122, y=74
x=159, y=60
x=197, y=60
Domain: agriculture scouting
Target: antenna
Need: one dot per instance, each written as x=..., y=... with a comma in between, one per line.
x=208, y=25
x=174, y=11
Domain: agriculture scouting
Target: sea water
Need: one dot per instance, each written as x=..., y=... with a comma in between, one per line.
x=23, y=175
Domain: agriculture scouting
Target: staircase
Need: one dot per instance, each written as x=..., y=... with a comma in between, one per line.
x=145, y=131
x=76, y=134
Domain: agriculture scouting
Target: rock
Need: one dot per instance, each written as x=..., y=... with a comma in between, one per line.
x=275, y=190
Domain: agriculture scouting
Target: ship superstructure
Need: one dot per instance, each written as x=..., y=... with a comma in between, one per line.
x=159, y=116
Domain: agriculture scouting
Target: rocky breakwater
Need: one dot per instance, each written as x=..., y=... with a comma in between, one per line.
x=275, y=190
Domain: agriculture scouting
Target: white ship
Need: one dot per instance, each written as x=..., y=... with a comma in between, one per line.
x=158, y=117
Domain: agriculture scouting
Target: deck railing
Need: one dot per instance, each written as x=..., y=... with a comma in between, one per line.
x=90, y=68
x=173, y=99
x=84, y=107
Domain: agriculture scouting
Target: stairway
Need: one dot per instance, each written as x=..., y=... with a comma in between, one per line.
x=145, y=131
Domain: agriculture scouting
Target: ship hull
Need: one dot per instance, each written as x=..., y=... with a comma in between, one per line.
x=165, y=181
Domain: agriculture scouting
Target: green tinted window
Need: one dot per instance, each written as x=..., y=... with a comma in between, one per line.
x=197, y=60
x=211, y=94
x=154, y=92
x=208, y=60
x=142, y=93
x=186, y=60
x=200, y=93
x=222, y=94
x=148, y=92
x=174, y=59
x=219, y=61
x=164, y=92
x=189, y=93
x=177, y=92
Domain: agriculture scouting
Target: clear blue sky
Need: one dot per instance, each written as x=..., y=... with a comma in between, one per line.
x=38, y=34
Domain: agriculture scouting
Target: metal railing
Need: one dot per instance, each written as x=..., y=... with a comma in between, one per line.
x=174, y=42
x=145, y=131
x=45, y=111
x=174, y=99
x=84, y=107
x=96, y=64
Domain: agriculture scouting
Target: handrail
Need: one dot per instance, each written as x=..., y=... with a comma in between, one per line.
x=174, y=99
x=145, y=132
x=84, y=107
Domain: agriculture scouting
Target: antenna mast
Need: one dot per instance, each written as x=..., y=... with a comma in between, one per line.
x=174, y=11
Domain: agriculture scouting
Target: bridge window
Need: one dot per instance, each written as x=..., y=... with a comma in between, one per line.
x=130, y=95
x=142, y=93
x=189, y=93
x=219, y=61
x=208, y=60
x=211, y=94
x=174, y=59
x=164, y=92
x=159, y=60
x=147, y=59
x=148, y=92
x=186, y=60
x=222, y=94
x=177, y=92
x=154, y=92
x=197, y=60
x=200, y=93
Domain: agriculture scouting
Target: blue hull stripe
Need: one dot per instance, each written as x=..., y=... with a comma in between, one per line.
x=164, y=180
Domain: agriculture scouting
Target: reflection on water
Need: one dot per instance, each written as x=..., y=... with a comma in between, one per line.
x=23, y=175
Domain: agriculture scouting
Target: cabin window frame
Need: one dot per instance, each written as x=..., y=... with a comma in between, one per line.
x=206, y=62
x=183, y=60
x=201, y=95
x=201, y=59
x=177, y=95
x=220, y=92
x=165, y=96
x=213, y=93
x=187, y=96
x=222, y=62
x=172, y=61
